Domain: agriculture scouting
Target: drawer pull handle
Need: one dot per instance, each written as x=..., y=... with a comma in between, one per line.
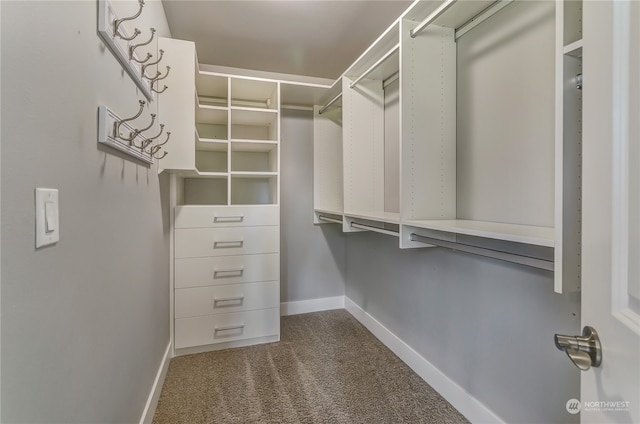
x=228, y=244
x=238, y=218
x=228, y=273
x=229, y=328
x=239, y=299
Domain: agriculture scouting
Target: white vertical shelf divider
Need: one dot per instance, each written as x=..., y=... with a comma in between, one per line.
x=568, y=147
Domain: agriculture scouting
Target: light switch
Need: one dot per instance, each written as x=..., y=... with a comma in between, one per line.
x=47, y=219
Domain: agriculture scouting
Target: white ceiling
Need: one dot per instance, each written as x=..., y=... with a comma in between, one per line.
x=319, y=38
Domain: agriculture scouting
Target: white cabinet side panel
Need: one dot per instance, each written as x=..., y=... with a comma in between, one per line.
x=176, y=105
x=363, y=146
x=428, y=128
x=327, y=158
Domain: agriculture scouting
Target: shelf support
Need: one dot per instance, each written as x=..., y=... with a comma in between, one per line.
x=490, y=253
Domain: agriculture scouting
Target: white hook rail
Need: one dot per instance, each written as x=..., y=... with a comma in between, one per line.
x=120, y=47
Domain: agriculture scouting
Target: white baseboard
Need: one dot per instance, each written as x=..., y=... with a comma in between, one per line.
x=464, y=402
x=313, y=305
x=156, y=389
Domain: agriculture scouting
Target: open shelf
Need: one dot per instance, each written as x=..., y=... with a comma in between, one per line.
x=209, y=190
x=211, y=161
x=212, y=89
x=254, y=157
x=254, y=93
x=252, y=124
x=253, y=188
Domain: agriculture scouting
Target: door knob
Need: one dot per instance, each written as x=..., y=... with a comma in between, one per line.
x=584, y=351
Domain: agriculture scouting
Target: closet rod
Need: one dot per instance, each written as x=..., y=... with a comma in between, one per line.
x=490, y=253
x=372, y=228
x=326, y=218
x=481, y=17
x=432, y=17
x=328, y=105
x=375, y=65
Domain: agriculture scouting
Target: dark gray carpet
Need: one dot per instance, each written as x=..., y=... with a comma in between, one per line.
x=327, y=369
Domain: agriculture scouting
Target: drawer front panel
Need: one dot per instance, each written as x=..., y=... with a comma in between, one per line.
x=234, y=216
x=199, y=301
x=210, y=329
x=204, y=242
x=199, y=272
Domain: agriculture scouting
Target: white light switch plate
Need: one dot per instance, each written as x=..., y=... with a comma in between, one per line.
x=47, y=217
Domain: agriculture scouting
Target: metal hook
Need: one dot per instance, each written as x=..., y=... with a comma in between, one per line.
x=159, y=92
x=118, y=22
x=135, y=46
x=160, y=78
x=116, y=124
x=145, y=66
x=152, y=148
x=137, y=132
x=149, y=140
x=165, y=154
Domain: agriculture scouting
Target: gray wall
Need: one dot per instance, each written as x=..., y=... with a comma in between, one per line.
x=487, y=325
x=85, y=322
x=313, y=256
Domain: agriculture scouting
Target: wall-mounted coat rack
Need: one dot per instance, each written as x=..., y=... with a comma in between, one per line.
x=124, y=46
x=120, y=134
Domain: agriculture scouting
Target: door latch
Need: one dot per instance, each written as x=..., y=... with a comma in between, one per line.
x=584, y=351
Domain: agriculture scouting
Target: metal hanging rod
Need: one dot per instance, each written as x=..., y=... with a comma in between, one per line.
x=328, y=219
x=373, y=228
x=481, y=17
x=375, y=65
x=328, y=105
x=482, y=251
x=432, y=17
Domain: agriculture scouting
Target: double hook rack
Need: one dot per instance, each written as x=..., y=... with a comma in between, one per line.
x=124, y=47
x=119, y=134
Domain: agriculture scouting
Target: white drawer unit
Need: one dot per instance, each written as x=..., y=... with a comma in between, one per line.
x=199, y=272
x=231, y=216
x=197, y=301
x=210, y=329
x=203, y=242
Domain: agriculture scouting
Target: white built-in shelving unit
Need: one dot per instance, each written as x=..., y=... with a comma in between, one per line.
x=439, y=137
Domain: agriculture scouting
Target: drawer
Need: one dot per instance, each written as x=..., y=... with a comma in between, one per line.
x=197, y=301
x=226, y=216
x=198, y=272
x=209, y=329
x=202, y=242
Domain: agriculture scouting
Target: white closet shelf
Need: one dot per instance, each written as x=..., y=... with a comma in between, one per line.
x=253, y=146
x=253, y=117
x=249, y=174
x=211, y=145
x=211, y=132
x=574, y=49
x=212, y=85
x=254, y=91
x=211, y=115
x=254, y=109
x=386, y=217
x=202, y=174
x=528, y=234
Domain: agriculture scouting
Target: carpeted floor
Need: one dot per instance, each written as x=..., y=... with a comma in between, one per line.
x=327, y=369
